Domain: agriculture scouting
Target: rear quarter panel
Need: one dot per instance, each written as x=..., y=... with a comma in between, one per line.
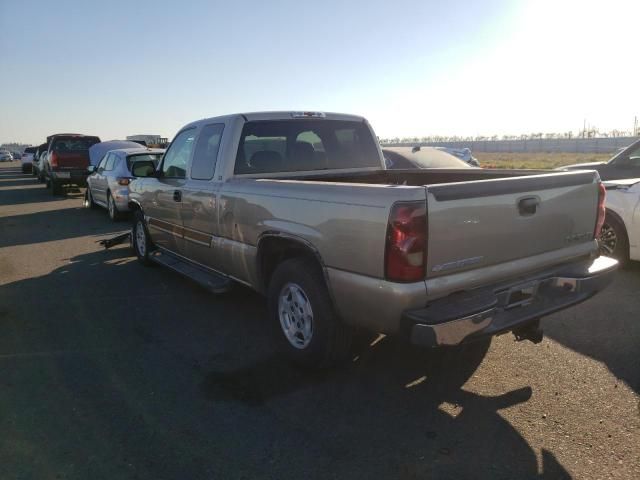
x=345, y=223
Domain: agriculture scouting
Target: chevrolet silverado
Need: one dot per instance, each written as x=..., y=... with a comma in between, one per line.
x=300, y=207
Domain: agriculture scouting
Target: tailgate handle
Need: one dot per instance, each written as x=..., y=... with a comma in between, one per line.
x=528, y=205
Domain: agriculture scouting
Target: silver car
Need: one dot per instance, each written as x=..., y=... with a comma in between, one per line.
x=108, y=183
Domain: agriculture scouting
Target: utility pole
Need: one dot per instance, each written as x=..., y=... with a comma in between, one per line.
x=636, y=130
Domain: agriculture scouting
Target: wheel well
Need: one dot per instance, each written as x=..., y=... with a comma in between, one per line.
x=618, y=219
x=272, y=251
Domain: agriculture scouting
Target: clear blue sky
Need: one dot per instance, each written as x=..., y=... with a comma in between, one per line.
x=414, y=67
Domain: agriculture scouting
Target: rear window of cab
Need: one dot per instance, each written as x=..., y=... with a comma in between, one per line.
x=305, y=145
x=73, y=144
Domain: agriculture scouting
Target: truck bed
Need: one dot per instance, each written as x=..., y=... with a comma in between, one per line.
x=477, y=218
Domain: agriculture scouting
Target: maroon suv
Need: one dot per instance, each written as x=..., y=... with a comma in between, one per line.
x=67, y=160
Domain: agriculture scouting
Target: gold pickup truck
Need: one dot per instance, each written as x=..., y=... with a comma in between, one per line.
x=300, y=207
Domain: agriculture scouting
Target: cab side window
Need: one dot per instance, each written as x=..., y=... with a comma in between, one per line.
x=206, y=154
x=177, y=157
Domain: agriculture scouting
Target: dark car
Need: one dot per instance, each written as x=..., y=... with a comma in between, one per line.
x=625, y=164
x=420, y=157
x=67, y=160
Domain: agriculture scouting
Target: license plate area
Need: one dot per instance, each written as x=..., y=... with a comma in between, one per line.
x=521, y=295
x=63, y=175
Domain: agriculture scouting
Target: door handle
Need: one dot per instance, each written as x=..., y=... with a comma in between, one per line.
x=177, y=196
x=528, y=205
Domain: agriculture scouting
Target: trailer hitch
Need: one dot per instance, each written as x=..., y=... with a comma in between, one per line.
x=530, y=331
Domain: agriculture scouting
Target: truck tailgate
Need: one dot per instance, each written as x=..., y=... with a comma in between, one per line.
x=488, y=222
x=73, y=160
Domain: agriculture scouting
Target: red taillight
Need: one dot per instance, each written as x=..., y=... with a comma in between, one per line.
x=602, y=211
x=124, y=181
x=406, y=248
x=53, y=160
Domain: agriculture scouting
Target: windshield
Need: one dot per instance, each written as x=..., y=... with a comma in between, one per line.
x=304, y=145
x=153, y=157
x=427, y=157
x=628, y=155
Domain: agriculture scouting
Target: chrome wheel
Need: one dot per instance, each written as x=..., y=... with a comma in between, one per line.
x=296, y=315
x=608, y=240
x=87, y=199
x=141, y=239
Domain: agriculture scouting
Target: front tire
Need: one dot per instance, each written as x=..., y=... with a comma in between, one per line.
x=613, y=240
x=141, y=240
x=309, y=330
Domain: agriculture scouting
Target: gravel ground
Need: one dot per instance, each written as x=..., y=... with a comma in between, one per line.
x=112, y=370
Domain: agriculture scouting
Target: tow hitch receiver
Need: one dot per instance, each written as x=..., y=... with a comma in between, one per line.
x=531, y=332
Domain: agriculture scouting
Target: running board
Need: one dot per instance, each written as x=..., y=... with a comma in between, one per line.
x=213, y=282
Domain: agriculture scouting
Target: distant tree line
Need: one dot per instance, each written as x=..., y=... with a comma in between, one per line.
x=586, y=133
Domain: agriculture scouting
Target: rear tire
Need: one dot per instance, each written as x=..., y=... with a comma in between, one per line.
x=114, y=214
x=613, y=240
x=309, y=330
x=141, y=240
x=56, y=188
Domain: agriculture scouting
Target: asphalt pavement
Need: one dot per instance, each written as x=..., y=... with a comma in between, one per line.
x=112, y=370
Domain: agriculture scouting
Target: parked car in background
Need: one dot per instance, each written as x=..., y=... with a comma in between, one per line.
x=420, y=157
x=300, y=207
x=26, y=161
x=108, y=184
x=620, y=234
x=624, y=164
x=463, y=154
x=5, y=156
x=67, y=160
x=38, y=155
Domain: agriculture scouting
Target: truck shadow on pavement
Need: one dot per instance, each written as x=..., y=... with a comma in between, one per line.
x=149, y=376
x=60, y=224
x=17, y=181
x=611, y=337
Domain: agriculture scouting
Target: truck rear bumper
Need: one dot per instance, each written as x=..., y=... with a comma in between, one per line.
x=74, y=177
x=467, y=316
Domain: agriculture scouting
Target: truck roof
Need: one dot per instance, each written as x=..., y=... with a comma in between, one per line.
x=281, y=115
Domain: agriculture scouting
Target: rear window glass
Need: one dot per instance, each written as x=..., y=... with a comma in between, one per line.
x=74, y=144
x=305, y=145
x=153, y=157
